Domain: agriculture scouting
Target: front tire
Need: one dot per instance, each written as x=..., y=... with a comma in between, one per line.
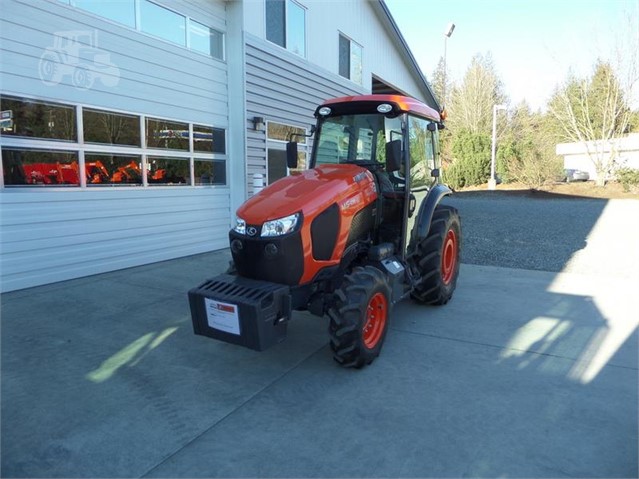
x=436, y=258
x=359, y=317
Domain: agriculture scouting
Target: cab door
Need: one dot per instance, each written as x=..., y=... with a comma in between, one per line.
x=422, y=146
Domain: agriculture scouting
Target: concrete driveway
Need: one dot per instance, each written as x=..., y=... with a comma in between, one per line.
x=523, y=374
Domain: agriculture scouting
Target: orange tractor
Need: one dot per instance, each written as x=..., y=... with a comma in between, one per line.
x=96, y=173
x=51, y=173
x=362, y=229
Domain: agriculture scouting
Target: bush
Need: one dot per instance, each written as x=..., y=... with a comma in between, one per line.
x=629, y=178
x=534, y=169
x=507, y=155
x=453, y=176
x=471, y=164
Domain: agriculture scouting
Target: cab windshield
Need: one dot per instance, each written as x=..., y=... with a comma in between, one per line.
x=359, y=139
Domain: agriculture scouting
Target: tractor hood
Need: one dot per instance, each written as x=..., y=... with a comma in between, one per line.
x=311, y=192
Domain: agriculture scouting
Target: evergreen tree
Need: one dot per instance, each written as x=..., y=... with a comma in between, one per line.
x=472, y=159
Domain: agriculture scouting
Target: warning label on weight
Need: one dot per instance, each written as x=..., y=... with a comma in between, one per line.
x=222, y=316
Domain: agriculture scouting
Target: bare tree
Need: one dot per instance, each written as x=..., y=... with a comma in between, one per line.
x=472, y=102
x=596, y=111
x=440, y=81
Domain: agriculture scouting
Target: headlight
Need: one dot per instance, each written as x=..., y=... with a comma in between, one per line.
x=280, y=226
x=240, y=226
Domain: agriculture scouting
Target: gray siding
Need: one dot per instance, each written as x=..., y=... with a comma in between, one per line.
x=155, y=77
x=365, y=22
x=284, y=88
x=50, y=234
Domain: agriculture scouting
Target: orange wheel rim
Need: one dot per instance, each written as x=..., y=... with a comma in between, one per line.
x=449, y=257
x=376, y=314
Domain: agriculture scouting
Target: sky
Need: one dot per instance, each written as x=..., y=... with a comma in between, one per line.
x=533, y=43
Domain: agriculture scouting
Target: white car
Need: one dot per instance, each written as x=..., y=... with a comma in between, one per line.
x=576, y=175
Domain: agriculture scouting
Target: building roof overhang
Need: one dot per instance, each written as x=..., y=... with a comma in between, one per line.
x=387, y=19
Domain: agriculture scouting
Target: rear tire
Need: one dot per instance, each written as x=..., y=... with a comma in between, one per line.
x=436, y=258
x=359, y=317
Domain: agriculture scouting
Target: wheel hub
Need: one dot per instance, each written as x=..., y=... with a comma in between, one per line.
x=449, y=257
x=376, y=314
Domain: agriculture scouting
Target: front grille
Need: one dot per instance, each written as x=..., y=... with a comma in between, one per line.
x=284, y=267
x=362, y=224
x=324, y=231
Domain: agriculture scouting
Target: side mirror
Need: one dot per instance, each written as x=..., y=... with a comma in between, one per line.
x=432, y=127
x=291, y=154
x=393, y=155
x=434, y=172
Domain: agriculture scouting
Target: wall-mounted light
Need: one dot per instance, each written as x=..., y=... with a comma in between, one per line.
x=258, y=123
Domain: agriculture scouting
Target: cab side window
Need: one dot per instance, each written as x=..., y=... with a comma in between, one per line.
x=422, y=152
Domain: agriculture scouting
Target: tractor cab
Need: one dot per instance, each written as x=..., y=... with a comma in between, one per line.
x=389, y=136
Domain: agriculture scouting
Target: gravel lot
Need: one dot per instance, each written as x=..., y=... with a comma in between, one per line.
x=549, y=233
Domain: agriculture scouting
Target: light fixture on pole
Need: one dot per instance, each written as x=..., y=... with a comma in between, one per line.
x=447, y=33
x=492, y=182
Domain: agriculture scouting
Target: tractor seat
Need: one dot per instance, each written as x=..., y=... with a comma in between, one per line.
x=384, y=182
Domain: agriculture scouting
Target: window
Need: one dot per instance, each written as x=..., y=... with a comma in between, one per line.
x=121, y=11
x=281, y=132
x=162, y=23
x=209, y=139
x=344, y=57
x=167, y=134
x=350, y=59
x=111, y=128
x=113, y=150
x=210, y=172
x=206, y=40
x=332, y=145
x=40, y=167
x=296, y=29
x=275, y=22
x=276, y=165
x=286, y=25
x=422, y=153
x=168, y=171
x=37, y=119
x=114, y=170
x=356, y=138
x=154, y=20
x=278, y=134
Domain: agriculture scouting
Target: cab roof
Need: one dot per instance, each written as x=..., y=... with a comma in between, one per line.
x=401, y=104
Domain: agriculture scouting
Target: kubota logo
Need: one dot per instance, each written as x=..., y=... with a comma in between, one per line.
x=76, y=54
x=349, y=203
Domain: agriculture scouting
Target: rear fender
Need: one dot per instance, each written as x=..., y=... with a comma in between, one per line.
x=427, y=209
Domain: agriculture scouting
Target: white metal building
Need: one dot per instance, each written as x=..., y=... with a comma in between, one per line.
x=624, y=153
x=131, y=130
